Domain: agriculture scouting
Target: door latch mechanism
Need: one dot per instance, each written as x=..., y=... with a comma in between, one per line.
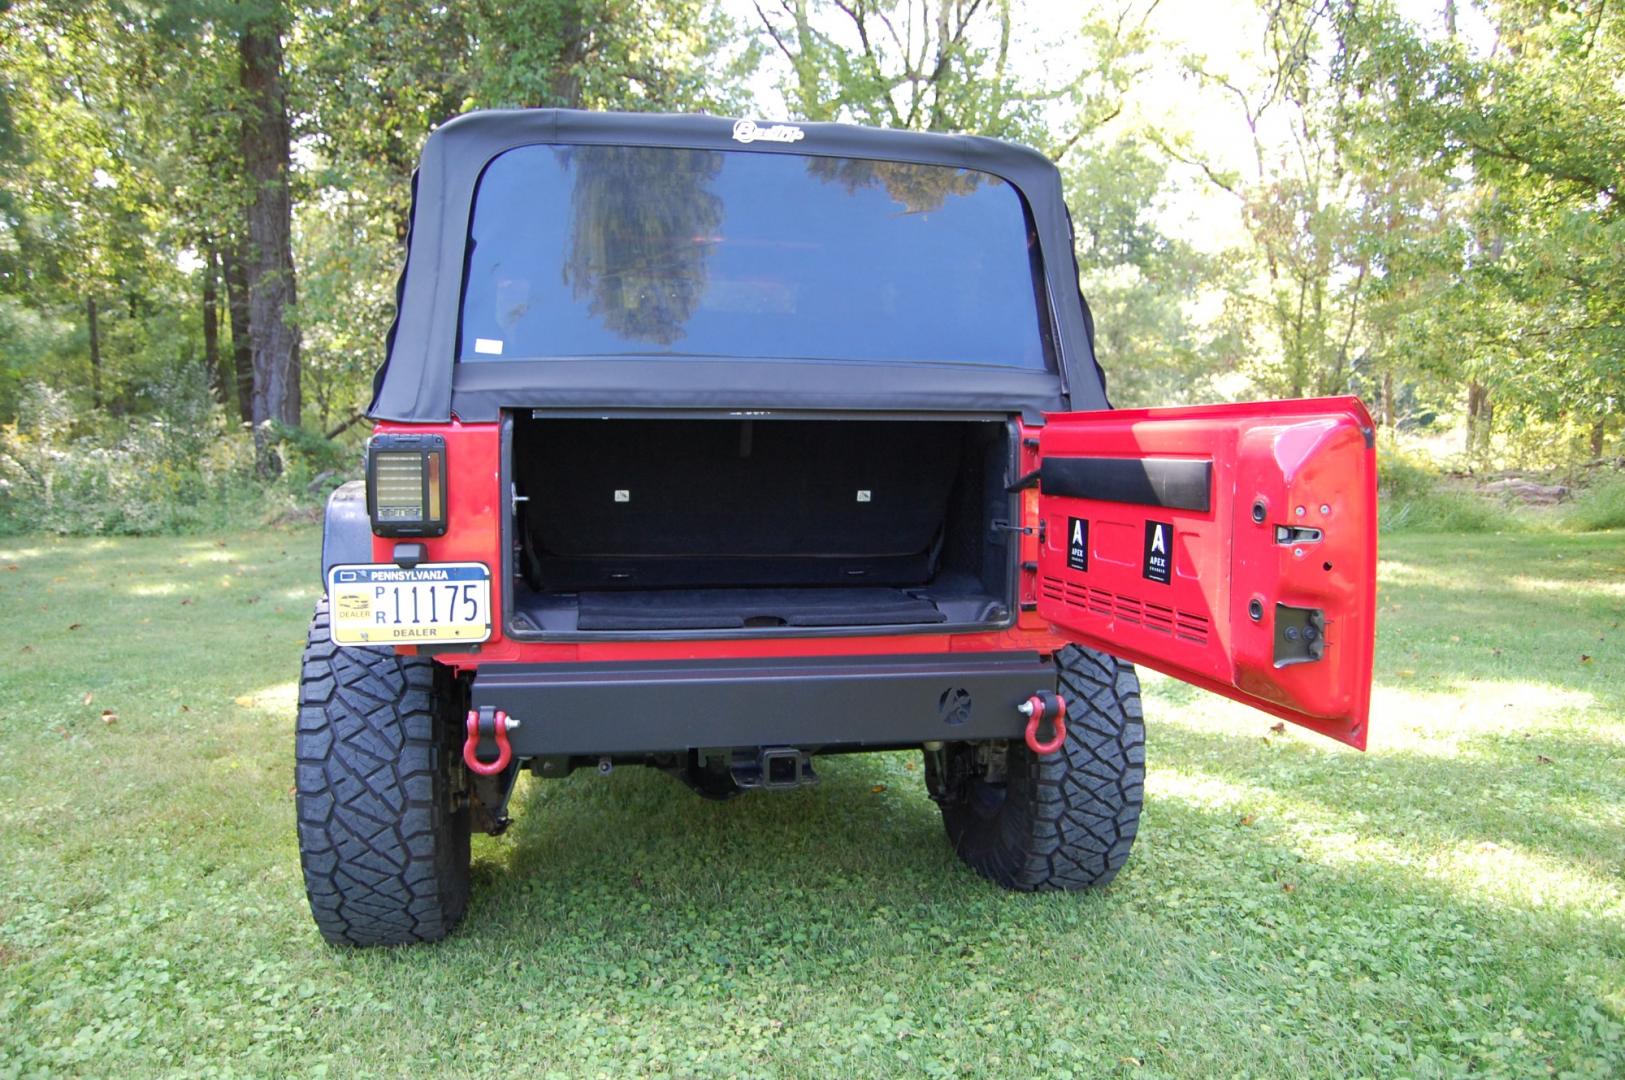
x=1300, y=635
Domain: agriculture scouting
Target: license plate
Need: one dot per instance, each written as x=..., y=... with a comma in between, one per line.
x=383, y=604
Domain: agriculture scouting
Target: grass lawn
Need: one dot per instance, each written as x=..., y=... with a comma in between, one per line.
x=1451, y=902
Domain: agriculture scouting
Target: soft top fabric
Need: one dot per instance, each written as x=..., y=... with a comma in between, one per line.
x=420, y=382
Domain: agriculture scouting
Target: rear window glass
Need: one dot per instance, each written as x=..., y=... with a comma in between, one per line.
x=583, y=251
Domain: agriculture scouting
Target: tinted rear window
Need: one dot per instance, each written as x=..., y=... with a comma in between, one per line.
x=582, y=251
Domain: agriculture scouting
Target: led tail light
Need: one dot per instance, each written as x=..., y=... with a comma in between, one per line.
x=406, y=485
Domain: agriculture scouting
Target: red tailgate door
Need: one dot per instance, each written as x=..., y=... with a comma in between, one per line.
x=1231, y=546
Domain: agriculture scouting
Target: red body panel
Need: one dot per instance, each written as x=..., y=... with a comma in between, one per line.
x=1197, y=627
x=474, y=511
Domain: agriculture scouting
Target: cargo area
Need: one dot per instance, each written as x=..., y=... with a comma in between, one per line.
x=673, y=526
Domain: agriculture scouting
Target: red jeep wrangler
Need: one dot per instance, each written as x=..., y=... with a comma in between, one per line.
x=717, y=445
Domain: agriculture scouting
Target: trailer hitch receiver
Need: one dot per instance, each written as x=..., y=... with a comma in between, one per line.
x=773, y=768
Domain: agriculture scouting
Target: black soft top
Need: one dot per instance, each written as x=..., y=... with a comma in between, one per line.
x=420, y=381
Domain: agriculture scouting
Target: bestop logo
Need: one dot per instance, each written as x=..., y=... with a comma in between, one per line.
x=747, y=131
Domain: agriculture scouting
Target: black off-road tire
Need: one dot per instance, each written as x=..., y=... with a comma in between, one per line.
x=384, y=849
x=1065, y=820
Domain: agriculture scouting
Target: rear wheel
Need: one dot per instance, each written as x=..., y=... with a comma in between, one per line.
x=383, y=826
x=1064, y=820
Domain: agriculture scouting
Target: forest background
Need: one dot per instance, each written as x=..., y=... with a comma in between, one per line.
x=203, y=205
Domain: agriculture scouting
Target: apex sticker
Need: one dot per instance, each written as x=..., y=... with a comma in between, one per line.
x=1077, y=544
x=1159, y=548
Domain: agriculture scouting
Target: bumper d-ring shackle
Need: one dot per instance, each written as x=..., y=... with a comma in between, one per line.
x=487, y=735
x=1042, y=706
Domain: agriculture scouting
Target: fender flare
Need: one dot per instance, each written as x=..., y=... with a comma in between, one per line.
x=346, y=528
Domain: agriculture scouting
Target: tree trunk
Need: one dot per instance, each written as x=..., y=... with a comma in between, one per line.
x=242, y=352
x=95, y=351
x=212, y=364
x=565, y=85
x=1480, y=414
x=1473, y=392
x=266, y=137
x=1388, y=400
x=1596, y=438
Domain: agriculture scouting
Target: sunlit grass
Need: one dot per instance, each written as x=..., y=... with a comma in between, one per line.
x=1481, y=870
x=1449, y=902
x=1609, y=589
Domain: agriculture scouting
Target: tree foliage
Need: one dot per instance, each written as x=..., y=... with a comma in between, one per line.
x=179, y=172
x=1427, y=216
x=1529, y=142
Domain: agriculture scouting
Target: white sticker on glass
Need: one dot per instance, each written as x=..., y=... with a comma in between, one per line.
x=749, y=131
x=490, y=346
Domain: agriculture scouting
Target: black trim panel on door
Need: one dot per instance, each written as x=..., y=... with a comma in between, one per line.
x=1173, y=483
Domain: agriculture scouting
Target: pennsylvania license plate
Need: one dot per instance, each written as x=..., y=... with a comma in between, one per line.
x=432, y=603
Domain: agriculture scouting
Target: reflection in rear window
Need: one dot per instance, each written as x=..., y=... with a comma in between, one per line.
x=582, y=251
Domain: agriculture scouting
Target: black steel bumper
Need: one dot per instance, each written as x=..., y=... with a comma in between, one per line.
x=851, y=702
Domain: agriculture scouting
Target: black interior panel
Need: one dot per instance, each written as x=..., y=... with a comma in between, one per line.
x=730, y=503
x=669, y=524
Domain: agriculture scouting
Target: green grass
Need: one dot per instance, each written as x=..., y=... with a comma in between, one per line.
x=1444, y=511
x=1451, y=902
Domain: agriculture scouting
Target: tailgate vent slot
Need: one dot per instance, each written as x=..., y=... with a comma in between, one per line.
x=1117, y=607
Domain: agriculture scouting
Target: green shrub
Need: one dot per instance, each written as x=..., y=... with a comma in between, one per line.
x=1403, y=476
x=1411, y=497
x=1445, y=511
x=1598, y=506
x=181, y=468
x=1414, y=497
x=308, y=456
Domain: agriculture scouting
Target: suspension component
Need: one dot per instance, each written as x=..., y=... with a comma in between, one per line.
x=487, y=735
x=1042, y=706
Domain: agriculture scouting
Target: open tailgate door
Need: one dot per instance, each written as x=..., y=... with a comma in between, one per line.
x=1231, y=546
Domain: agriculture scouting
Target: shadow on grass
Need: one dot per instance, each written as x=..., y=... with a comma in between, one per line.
x=1496, y=790
x=841, y=830
x=644, y=835
x=632, y=879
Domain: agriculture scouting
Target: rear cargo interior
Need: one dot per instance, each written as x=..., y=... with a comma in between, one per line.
x=759, y=525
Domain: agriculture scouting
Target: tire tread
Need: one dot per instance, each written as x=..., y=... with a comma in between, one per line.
x=1069, y=819
x=385, y=860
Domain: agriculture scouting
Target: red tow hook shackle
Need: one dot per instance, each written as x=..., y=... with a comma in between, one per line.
x=1041, y=706
x=487, y=728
